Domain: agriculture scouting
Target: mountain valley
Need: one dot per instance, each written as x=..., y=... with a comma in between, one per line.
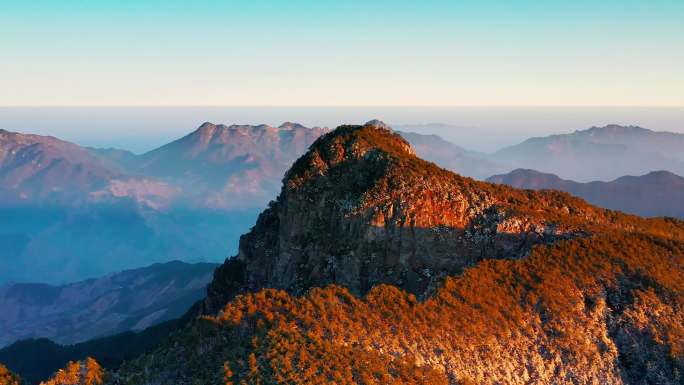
x=128, y=300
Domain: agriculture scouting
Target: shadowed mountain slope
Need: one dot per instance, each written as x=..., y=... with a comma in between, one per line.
x=128, y=300
x=38, y=359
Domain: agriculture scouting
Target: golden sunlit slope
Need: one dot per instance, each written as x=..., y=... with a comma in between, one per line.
x=375, y=267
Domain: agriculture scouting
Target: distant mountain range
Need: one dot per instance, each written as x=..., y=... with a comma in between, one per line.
x=452, y=157
x=128, y=300
x=216, y=167
x=228, y=167
x=598, y=153
x=75, y=212
x=42, y=168
x=658, y=193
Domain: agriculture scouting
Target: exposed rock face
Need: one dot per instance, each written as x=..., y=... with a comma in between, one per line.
x=360, y=209
x=556, y=291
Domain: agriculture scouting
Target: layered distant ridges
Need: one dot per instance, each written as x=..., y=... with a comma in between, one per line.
x=658, y=193
x=128, y=300
x=598, y=153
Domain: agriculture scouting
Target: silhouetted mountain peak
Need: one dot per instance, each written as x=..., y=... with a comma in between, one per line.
x=663, y=174
x=662, y=177
x=72, y=313
x=219, y=134
x=656, y=193
x=616, y=128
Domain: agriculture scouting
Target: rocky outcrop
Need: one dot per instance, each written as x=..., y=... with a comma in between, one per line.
x=393, y=270
x=360, y=209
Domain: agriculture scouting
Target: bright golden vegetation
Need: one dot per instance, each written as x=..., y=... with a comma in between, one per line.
x=7, y=378
x=87, y=372
x=554, y=295
x=589, y=309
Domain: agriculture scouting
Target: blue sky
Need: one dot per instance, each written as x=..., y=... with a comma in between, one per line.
x=354, y=53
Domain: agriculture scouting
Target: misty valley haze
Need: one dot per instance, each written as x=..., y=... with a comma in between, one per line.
x=75, y=212
x=189, y=195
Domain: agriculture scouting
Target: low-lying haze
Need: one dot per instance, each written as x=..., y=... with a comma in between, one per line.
x=486, y=129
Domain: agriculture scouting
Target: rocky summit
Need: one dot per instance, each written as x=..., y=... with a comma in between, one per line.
x=360, y=209
x=373, y=266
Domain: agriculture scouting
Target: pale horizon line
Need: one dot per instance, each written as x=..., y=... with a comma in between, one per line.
x=673, y=106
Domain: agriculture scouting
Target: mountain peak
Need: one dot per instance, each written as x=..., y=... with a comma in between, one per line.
x=290, y=126
x=662, y=174
x=36, y=167
x=205, y=132
x=659, y=176
x=616, y=129
x=360, y=209
x=371, y=142
x=527, y=178
x=375, y=123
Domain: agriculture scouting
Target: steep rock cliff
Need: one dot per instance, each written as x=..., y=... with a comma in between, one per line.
x=360, y=209
x=393, y=270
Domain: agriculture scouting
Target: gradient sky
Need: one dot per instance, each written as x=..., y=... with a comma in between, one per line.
x=360, y=53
